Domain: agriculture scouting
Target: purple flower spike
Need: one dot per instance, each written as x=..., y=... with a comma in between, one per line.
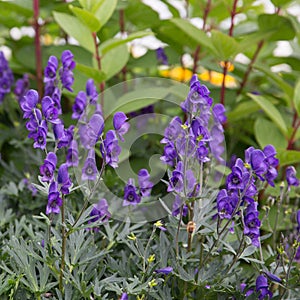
x=130, y=194
x=79, y=105
x=54, y=200
x=64, y=179
x=48, y=168
x=144, y=182
x=165, y=271
x=252, y=223
x=291, y=178
x=120, y=124
x=89, y=171
x=262, y=287
x=29, y=102
x=124, y=296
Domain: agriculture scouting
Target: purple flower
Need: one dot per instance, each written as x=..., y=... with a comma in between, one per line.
x=144, y=182
x=21, y=86
x=176, y=182
x=131, y=196
x=273, y=277
x=91, y=91
x=298, y=219
x=120, y=124
x=110, y=149
x=173, y=131
x=100, y=212
x=124, y=296
x=54, y=199
x=48, y=168
x=165, y=271
x=226, y=204
x=72, y=154
x=291, y=178
x=237, y=179
x=270, y=153
x=65, y=72
x=89, y=171
x=257, y=159
x=199, y=131
x=252, y=223
x=6, y=77
x=51, y=69
x=79, y=105
x=170, y=154
x=63, y=179
x=219, y=113
x=40, y=136
x=49, y=110
x=177, y=207
x=262, y=287
x=67, y=60
x=161, y=56
x=28, y=103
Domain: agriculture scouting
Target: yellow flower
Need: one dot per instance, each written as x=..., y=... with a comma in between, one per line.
x=177, y=73
x=151, y=258
x=152, y=283
x=158, y=223
x=140, y=297
x=216, y=78
x=184, y=126
x=230, y=66
x=47, y=39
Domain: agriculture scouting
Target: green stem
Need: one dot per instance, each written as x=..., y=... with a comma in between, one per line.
x=63, y=246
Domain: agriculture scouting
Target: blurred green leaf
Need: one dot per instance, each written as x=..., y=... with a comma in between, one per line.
x=87, y=4
x=17, y=7
x=288, y=157
x=224, y=46
x=271, y=111
x=242, y=110
x=103, y=10
x=73, y=27
x=279, y=3
x=86, y=18
x=296, y=98
x=266, y=133
x=280, y=27
x=91, y=72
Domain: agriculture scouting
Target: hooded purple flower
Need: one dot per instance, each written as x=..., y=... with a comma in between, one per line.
x=100, y=212
x=72, y=154
x=6, y=77
x=120, y=124
x=177, y=207
x=165, y=271
x=131, y=197
x=49, y=110
x=51, y=69
x=262, y=287
x=177, y=179
x=173, y=131
x=110, y=149
x=54, y=199
x=273, y=277
x=28, y=103
x=144, y=182
x=252, y=223
x=226, y=204
x=65, y=72
x=63, y=179
x=91, y=91
x=48, y=168
x=21, y=86
x=270, y=153
x=161, y=56
x=257, y=159
x=124, y=296
x=239, y=176
x=79, y=105
x=89, y=171
x=291, y=178
x=219, y=113
x=40, y=136
x=170, y=155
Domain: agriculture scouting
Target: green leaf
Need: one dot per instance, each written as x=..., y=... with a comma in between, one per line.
x=242, y=110
x=199, y=36
x=288, y=157
x=113, y=43
x=114, y=60
x=91, y=72
x=86, y=18
x=279, y=3
x=224, y=46
x=73, y=27
x=285, y=87
x=296, y=98
x=87, y=4
x=17, y=8
x=103, y=10
x=271, y=111
x=281, y=28
x=266, y=133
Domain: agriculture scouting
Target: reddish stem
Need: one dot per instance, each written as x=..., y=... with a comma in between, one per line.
x=245, y=79
x=98, y=59
x=292, y=138
x=232, y=14
x=38, y=49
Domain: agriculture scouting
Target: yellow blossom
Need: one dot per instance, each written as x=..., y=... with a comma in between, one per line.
x=177, y=73
x=151, y=258
x=216, y=79
x=184, y=126
x=158, y=223
x=152, y=283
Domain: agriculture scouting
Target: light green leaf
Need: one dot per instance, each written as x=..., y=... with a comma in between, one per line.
x=296, y=98
x=113, y=43
x=266, y=133
x=103, y=10
x=73, y=27
x=288, y=157
x=114, y=60
x=271, y=112
x=242, y=110
x=285, y=87
x=87, y=4
x=91, y=72
x=225, y=47
x=17, y=8
x=86, y=18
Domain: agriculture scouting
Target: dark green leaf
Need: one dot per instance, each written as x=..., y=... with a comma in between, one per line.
x=288, y=157
x=91, y=72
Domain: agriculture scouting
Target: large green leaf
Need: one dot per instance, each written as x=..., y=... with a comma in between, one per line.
x=73, y=27
x=266, y=133
x=91, y=72
x=288, y=157
x=242, y=110
x=271, y=111
x=281, y=28
x=296, y=98
x=113, y=43
x=114, y=60
x=17, y=8
x=284, y=86
x=224, y=46
x=103, y=10
x=86, y=18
